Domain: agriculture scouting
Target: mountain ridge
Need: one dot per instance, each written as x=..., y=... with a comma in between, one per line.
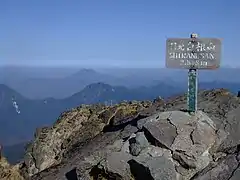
x=38, y=83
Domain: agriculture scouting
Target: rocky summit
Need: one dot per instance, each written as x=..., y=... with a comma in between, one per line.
x=148, y=140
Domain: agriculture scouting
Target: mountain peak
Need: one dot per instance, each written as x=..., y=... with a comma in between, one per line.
x=8, y=93
x=98, y=85
x=4, y=87
x=86, y=71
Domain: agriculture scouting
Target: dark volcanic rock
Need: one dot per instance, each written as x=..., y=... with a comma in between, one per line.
x=155, y=168
x=232, y=126
x=115, y=166
x=161, y=132
x=185, y=161
x=128, y=130
x=138, y=143
x=236, y=174
x=221, y=171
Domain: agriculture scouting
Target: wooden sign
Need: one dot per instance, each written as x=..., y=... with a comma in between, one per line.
x=193, y=53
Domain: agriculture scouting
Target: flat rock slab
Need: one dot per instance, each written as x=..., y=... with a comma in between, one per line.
x=128, y=130
x=222, y=171
x=116, y=163
x=162, y=132
x=153, y=168
x=232, y=126
x=236, y=175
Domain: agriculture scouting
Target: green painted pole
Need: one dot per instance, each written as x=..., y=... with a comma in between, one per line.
x=192, y=86
x=192, y=90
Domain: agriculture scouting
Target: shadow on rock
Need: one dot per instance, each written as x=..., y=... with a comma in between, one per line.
x=139, y=171
x=114, y=128
x=72, y=175
x=99, y=174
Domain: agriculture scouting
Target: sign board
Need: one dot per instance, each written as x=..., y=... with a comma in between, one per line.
x=193, y=53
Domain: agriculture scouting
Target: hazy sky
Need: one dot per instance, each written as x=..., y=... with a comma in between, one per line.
x=111, y=32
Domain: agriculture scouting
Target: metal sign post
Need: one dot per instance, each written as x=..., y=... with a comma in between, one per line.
x=193, y=53
x=192, y=84
x=192, y=90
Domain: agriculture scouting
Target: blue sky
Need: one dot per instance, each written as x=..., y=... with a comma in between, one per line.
x=126, y=33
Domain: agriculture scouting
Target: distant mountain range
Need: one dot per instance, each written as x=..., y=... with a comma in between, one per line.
x=40, y=83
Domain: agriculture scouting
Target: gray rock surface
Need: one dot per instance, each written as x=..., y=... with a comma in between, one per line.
x=115, y=166
x=236, y=174
x=182, y=156
x=220, y=171
x=155, y=168
x=161, y=132
x=138, y=143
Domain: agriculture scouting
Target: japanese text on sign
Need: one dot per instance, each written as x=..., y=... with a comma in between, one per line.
x=200, y=53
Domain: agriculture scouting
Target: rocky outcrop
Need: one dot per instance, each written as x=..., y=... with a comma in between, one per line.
x=77, y=126
x=180, y=155
x=142, y=140
x=8, y=172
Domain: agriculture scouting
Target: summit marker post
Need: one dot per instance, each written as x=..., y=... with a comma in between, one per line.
x=193, y=53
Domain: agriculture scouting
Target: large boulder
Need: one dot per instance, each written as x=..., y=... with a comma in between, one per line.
x=178, y=146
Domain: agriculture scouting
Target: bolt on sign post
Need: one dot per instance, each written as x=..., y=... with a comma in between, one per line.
x=193, y=53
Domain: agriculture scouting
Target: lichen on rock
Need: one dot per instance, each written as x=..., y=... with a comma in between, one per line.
x=9, y=172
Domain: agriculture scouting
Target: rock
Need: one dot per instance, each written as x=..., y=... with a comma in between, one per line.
x=143, y=121
x=238, y=156
x=128, y=130
x=221, y=171
x=221, y=136
x=126, y=145
x=115, y=166
x=185, y=161
x=135, y=149
x=8, y=172
x=204, y=132
x=232, y=126
x=189, y=136
x=154, y=151
x=191, y=133
x=138, y=143
x=125, y=112
x=155, y=168
x=218, y=156
x=116, y=146
x=72, y=175
x=181, y=170
x=236, y=175
x=161, y=133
